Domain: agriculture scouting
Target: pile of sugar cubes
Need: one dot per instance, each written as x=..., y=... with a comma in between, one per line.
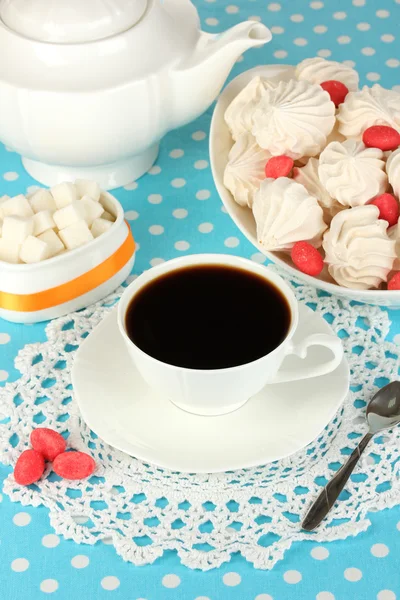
x=50, y=222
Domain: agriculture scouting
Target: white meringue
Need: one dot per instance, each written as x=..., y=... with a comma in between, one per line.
x=308, y=176
x=245, y=169
x=352, y=173
x=294, y=118
x=318, y=70
x=358, y=250
x=370, y=106
x=238, y=115
x=285, y=213
x=335, y=135
x=393, y=171
x=394, y=235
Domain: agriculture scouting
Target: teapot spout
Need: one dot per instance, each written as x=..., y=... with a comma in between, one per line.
x=198, y=78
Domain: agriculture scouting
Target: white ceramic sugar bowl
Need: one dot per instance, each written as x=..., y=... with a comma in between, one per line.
x=89, y=87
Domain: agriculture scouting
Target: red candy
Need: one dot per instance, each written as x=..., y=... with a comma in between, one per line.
x=29, y=467
x=279, y=166
x=336, y=89
x=382, y=137
x=74, y=465
x=307, y=258
x=388, y=208
x=48, y=442
x=394, y=283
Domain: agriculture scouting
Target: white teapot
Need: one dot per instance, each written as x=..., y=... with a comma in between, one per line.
x=89, y=87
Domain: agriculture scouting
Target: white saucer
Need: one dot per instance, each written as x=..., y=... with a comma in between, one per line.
x=121, y=409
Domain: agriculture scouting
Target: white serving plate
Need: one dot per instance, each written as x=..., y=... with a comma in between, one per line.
x=70, y=281
x=121, y=409
x=220, y=145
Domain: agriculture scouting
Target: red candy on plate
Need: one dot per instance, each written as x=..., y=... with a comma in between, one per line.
x=336, y=89
x=29, y=467
x=382, y=137
x=394, y=283
x=388, y=208
x=279, y=166
x=307, y=258
x=48, y=442
x=74, y=465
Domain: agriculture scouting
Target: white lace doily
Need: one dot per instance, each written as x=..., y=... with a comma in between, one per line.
x=144, y=510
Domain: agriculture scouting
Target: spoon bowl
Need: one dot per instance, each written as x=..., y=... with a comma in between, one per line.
x=383, y=410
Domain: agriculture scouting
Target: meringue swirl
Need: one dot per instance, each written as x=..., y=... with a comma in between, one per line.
x=319, y=70
x=293, y=118
x=308, y=176
x=351, y=173
x=285, y=213
x=358, y=250
x=245, y=169
x=393, y=171
x=370, y=106
x=394, y=235
x=238, y=115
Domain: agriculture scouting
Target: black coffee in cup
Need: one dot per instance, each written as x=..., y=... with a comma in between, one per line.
x=208, y=316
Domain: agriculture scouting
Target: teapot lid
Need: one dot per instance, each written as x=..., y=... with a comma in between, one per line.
x=71, y=21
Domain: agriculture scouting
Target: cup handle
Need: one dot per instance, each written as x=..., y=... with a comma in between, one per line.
x=300, y=349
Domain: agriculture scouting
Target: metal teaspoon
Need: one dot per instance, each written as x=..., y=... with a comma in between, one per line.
x=383, y=412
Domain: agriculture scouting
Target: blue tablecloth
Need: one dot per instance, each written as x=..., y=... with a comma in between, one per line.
x=173, y=210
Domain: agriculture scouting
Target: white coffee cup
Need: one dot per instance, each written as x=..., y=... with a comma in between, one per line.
x=220, y=391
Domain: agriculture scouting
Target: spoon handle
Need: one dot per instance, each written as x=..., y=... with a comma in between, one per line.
x=331, y=491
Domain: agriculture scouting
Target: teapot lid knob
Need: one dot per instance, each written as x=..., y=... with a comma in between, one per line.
x=71, y=21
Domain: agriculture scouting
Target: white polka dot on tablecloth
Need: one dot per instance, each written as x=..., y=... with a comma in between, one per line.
x=368, y=51
x=396, y=340
x=223, y=209
x=108, y=541
x=1, y=497
x=80, y=561
x=231, y=579
x=274, y=7
x=387, y=38
x=231, y=242
x=393, y=62
x=110, y=583
x=182, y=245
x=197, y=136
x=372, y=76
x=386, y=595
x=263, y=597
x=177, y=153
x=343, y=39
x=325, y=596
x=154, y=198
x=132, y=215
x=379, y=550
x=349, y=63
x=178, y=182
x=171, y=581
x=396, y=88
x=240, y=59
x=19, y=565
x=297, y=18
x=21, y=519
x=180, y=213
x=201, y=164
x=156, y=229
x=324, y=53
x=340, y=15
x=292, y=577
x=300, y=41
x=316, y=5
x=212, y=21
x=363, y=27
x=258, y=257
x=50, y=540
x=4, y=338
x=205, y=227
x=203, y=195
x=280, y=54
x=48, y=586
x=232, y=9
x=202, y=598
x=131, y=186
x=319, y=553
x=359, y=2
x=382, y=14
x=353, y=574
x=10, y=176
x=3, y=375
x=320, y=29
x=154, y=170
x=277, y=30
x=157, y=261
x=254, y=18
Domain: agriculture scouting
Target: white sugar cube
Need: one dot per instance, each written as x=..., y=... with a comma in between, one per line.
x=76, y=235
x=17, y=206
x=93, y=210
x=42, y=200
x=64, y=194
x=86, y=187
x=53, y=242
x=108, y=216
x=42, y=221
x=33, y=250
x=69, y=214
x=9, y=251
x=17, y=229
x=108, y=204
x=100, y=226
